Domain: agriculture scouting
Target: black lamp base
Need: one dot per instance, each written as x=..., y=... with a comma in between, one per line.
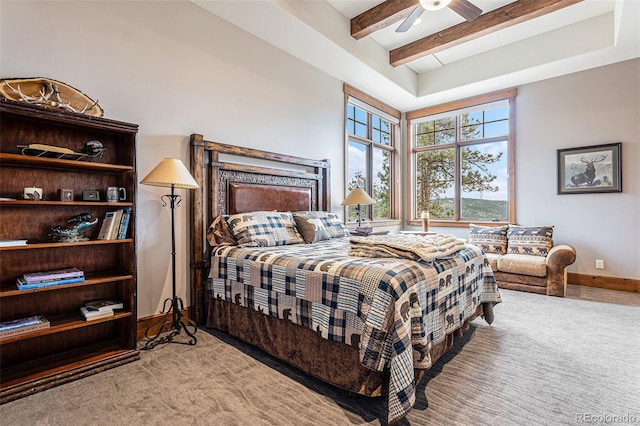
x=174, y=321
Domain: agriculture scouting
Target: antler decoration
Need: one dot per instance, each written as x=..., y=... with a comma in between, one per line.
x=49, y=93
x=48, y=90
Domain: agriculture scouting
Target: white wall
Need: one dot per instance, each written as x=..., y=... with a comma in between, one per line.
x=592, y=107
x=175, y=69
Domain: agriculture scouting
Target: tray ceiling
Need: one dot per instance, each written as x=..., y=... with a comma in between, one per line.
x=442, y=57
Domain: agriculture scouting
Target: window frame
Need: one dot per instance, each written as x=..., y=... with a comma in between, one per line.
x=456, y=108
x=372, y=106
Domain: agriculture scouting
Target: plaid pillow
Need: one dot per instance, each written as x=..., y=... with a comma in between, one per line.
x=490, y=239
x=319, y=225
x=264, y=229
x=533, y=240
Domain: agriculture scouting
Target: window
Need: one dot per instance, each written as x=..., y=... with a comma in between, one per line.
x=371, y=141
x=461, y=161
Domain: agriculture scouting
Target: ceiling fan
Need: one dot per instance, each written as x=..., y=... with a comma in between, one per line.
x=464, y=8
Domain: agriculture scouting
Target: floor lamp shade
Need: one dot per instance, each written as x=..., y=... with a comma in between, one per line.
x=170, y=172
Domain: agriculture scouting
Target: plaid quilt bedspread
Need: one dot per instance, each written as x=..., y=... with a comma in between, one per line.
x=392, y=310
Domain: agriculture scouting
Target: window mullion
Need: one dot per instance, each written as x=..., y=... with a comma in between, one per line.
x=369, y=188
x=434, y=147
x=485, y=140
x=457, y=191
x=369, y=209
x=457, y=183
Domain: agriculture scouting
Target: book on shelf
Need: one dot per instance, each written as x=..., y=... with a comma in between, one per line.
x=23, y=285
x=104, y=305
x=11, y=243
x=107, y=226
x=90, y=315
x=22, y=322
x=59, y=274
x=115, y=225
x=113, y=235
x=23, y=325
x=124, y=223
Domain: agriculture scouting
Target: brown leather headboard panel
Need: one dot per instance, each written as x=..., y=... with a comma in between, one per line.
x=247, y=197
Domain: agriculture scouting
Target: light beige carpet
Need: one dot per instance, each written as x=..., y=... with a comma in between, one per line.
x=544, y=361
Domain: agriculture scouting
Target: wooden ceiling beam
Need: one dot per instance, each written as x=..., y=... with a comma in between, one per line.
x=381, y=16
x=487, y=23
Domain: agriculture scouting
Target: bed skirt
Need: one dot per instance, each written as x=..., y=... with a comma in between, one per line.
x=332, y=362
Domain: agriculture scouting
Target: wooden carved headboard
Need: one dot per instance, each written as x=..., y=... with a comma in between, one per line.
x=237, y=185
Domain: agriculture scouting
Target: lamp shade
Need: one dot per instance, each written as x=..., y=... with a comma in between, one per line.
x=170, y=172
x=358, y=196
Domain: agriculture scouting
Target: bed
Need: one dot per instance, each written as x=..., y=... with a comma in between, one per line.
x=369, y=325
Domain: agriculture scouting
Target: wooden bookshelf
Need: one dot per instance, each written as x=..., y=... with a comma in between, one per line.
x=71, y=347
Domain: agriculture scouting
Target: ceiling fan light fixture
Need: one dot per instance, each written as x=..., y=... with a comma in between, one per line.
x=434, y=4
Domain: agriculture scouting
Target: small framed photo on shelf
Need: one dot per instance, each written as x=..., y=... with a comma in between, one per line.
x=32, y=193
x=65, y=194
x=90, y=196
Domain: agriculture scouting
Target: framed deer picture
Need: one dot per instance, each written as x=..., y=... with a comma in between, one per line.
x=590, y=169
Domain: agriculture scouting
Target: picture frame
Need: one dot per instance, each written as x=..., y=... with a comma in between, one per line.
x=590, y=169
x=90, y=196
x=33, y=193
x=65, y=194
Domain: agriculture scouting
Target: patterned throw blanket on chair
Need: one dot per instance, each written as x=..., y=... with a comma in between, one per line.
x=414, y=247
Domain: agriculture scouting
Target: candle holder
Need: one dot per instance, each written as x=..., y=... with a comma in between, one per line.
x=425, y=220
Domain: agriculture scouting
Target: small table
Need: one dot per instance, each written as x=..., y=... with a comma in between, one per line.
x=417, y=232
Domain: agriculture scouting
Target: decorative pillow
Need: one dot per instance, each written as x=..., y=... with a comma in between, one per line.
x=490, y=239
x=532, y=240
x=219, y=233
x=319, y=225
x=264, y=229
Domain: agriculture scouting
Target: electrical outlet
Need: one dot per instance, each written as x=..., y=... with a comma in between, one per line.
x=599, y=264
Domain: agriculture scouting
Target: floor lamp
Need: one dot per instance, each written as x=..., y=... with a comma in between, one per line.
x=171, y=173
x=358, y=196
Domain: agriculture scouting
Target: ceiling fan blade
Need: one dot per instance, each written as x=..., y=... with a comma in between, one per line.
x=407, y=23
x=466, y=9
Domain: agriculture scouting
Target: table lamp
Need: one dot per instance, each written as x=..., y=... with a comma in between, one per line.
x=358, y=196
